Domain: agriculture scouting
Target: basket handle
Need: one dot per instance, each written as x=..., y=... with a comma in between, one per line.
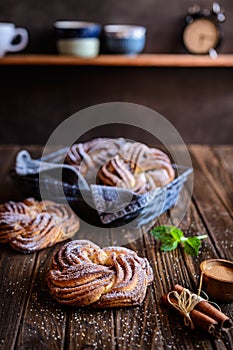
x=25, y=165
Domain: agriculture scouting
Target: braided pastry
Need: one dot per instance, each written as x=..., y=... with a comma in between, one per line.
x=137, y=167
x=131, y=165
x=31, y=225
x=83, y=274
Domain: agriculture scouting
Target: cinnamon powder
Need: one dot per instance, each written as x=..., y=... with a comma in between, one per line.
x=221, y=272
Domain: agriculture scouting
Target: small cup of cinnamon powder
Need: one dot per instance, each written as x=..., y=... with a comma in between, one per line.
x=218, y=279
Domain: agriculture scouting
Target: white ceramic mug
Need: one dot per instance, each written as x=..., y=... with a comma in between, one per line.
x=8, y=33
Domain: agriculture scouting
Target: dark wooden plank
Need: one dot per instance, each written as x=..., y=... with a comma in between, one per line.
x=98, y=235
x=15, y=280
x=225, y=154
x=136, y=327
x=211, y=208
x=219, y=177
x=90, y=329
x=43, y=323
x=15, y=268
x=192, y=225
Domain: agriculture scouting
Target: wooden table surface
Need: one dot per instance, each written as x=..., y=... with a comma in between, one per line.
x=30, y=319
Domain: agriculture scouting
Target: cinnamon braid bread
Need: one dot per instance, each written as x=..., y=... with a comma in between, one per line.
x=137, y=167
x=31, y=225
x=83, y=274
x=131, y=165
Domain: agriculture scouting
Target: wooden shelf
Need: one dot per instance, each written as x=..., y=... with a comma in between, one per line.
x=143, y=60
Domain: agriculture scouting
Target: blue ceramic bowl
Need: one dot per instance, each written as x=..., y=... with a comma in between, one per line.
x=125, y=39
x=77, y=30
x=78, y=38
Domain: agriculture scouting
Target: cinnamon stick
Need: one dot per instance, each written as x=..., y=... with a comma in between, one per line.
x=206, y=308
x=198, y=318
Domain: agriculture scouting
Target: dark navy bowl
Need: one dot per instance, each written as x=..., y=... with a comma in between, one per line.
x=125, y=46
x=124, y=39
x=76, y=29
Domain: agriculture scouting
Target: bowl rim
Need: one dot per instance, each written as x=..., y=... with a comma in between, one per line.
x=209, y=275
x=124, y=30
x=66, y=24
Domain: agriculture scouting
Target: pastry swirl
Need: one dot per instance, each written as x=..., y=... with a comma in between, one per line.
x=117, y=172
x=83, y=274
x=92, y=154
x=30, y=225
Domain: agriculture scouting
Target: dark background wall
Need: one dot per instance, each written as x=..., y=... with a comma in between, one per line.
x=34, y=100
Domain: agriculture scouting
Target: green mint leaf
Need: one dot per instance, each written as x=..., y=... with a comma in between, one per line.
x=159, y=236
x=161, y=232
x=169, y=236
x=169, y=244
x=176, y=233
x=192, y=246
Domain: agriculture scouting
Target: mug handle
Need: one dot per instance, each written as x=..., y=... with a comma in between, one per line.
x=23, y=42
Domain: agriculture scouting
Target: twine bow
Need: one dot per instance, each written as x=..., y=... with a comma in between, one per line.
x=186, y=302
